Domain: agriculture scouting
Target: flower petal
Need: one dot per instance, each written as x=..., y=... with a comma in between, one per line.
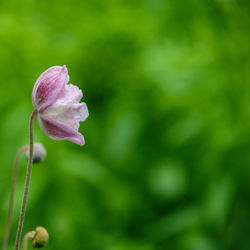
x=59, y=131
x=71, y=94
x=49, y=87
x=69, y=114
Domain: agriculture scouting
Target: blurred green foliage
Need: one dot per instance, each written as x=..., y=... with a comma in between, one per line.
x=166, y=163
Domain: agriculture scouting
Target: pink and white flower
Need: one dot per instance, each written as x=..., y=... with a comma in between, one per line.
x=58, y=105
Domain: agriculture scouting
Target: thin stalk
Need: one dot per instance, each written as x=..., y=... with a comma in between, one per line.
x=28, y=236
x=12, y=196
x=27, y=181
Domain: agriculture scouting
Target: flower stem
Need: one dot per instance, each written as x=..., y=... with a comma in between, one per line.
x=26, y=238
x=12, y=196
x=27, y=181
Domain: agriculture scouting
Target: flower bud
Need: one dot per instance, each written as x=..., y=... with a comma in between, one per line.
x=39, y=153
x=41, y=238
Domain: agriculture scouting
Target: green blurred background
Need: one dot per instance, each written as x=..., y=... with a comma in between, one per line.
x=166, y=163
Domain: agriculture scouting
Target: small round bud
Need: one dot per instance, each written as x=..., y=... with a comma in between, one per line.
x=41, y=238
x=39, y=153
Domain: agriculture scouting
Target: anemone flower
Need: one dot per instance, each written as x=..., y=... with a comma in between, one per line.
x=58, y=105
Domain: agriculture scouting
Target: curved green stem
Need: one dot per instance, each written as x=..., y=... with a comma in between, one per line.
x=28, y=236
x=12, y=196
x=27, y=182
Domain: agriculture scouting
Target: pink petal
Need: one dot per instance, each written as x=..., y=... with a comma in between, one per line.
x=71, y=94
x=59, y=131
x=69, y=114
x=49, y=87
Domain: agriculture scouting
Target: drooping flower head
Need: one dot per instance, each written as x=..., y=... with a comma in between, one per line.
x=39, y=152
x=40, y=238
x=58, y=105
